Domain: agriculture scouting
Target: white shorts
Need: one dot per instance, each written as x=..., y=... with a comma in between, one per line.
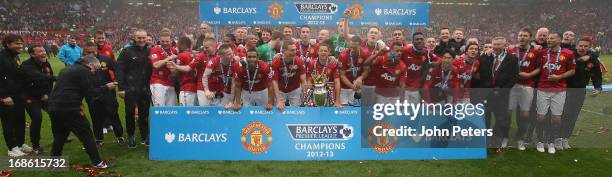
x=520, y=96
x=386, y=100
x=294, y=97
x=162, y=95
x=255, y=98
x=187, y=98
x=553, y=100
x=412, y=96
x=347, y=96
x=204, y=101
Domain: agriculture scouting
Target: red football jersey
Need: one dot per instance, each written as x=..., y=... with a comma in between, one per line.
x=200, y=68
x=309, y=50
x=290, y=80
x=350, y=65
x=415, y=62
x=106, y=50
x=316, y=67
x=218, y=73
x=260, y=79
x=161, y=75
x=465, y=71
x=439, y=85
x=188, y=79
x=527, y=63
x=551, y=64
x=388, y=77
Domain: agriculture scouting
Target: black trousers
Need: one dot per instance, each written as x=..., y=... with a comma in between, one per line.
x=571, y=110
x=497, y=105
x=64, y=122
x=13, y=122
x=34, y=108
x=105, y=110
x=142, y=101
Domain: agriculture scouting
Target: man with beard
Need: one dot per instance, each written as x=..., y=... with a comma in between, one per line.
x=230, y=40
x=70, y=52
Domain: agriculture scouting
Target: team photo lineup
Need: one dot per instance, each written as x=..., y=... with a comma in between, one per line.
x=533, y=80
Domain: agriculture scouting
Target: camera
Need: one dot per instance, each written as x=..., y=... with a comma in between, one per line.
x=357, y=95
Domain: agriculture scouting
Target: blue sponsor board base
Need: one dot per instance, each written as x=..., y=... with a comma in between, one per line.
x=212, y=133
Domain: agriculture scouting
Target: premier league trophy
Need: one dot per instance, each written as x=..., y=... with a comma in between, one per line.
x=321, y=93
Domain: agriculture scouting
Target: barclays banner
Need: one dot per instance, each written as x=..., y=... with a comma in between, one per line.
x=213, y=133
x=264, y=12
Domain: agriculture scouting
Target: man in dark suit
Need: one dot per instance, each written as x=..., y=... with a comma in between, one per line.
x=499, y=73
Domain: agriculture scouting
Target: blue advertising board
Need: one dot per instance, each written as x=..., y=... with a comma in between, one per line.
x=298, y=133
x=266, y=12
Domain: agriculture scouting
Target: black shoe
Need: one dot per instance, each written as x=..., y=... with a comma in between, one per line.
x=144, y=142
x=99, y=144
x=102, y=165
x=120, y=140
x=38, y=150
x=131, y=142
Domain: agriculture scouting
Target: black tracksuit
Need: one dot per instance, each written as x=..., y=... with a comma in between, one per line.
x=585, y=72
x=40, y=82
x=133, y=74
x=74, y=83
x=11, y=85
x=103, y=107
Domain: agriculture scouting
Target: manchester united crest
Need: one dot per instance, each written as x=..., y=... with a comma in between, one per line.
x=356, y=11
x=256, y=137
x=275, y=10
x=382, y=144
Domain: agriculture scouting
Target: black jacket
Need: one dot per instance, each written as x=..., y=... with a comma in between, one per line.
x=40, y=78
x=11, y=76
x=103, y=77
x=457, y=46
x=586, y=71
x=506, y=75
x=74, y=83
x=134, y=70
x=199, y=43
x=450, y=45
